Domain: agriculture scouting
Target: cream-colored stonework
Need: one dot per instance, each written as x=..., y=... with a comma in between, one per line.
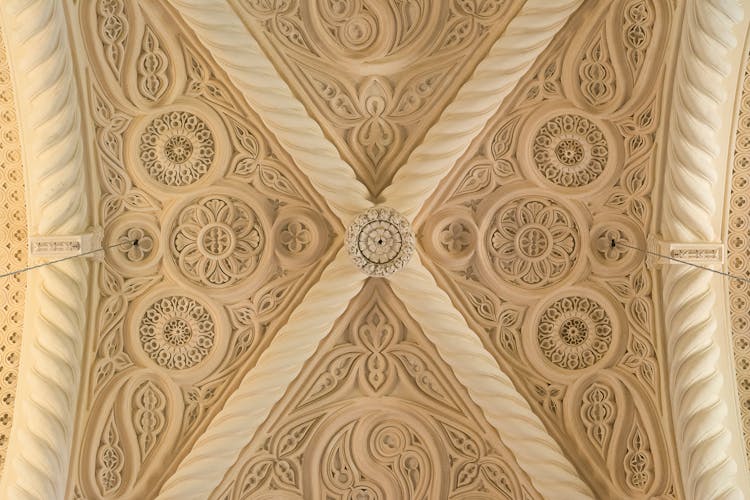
x=13, y=250
x=237, y=351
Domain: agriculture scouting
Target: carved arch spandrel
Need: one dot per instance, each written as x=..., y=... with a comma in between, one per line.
x=376, y=75
x=376, y=412
x=231, y=236
x=518, y=236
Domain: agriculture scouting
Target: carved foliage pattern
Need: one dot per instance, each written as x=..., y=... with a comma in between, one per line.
x=374, y=416
x=377, y=73
x=519, y=232
x=738, y=245
x=229, y=238
x=13, y=251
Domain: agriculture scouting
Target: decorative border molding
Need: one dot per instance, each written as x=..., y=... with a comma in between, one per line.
x=233, y=46
x=57, y=201
x=201, y=471
x=519, y=428
x=698, y=412
x=509, y=59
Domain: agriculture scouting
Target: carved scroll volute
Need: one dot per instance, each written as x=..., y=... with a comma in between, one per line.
x=615, y=425
x=397, y=451
x=597, y=78
x=127, y=447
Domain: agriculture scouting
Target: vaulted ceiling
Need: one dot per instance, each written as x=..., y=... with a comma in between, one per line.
x=236, y=352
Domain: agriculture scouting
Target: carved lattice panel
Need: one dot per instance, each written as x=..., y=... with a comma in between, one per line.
x=519, y=235
x=376, y=414
x=738, y=254
x=13, y=251
x=230, y=236
x=376, y=74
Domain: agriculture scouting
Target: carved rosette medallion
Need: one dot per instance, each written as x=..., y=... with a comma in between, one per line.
x=217, y=241
x=574, y=332
x=176, y=332
x=570, y=151
x=533, y=242
x=177, y=148
x=380, y=241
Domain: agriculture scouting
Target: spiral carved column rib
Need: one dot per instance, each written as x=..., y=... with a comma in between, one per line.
x=699, y=414
x=248, y=407
x=40, y=54
x=520, y=429
x=478, y=100
x=239, y=54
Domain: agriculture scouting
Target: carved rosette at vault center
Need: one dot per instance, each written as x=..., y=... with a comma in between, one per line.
x=380, y=241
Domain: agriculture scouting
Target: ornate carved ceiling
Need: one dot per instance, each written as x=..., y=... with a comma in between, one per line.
x=237, y=353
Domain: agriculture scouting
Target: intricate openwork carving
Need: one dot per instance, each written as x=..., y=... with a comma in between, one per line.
x=13, y=251
x=574, y=332
x=380, y=241
x=177, y=148
x=401, y=62
x=375, y=414
x=533, y=242
x=570, y=151
x=176, y=332
x=217, y=241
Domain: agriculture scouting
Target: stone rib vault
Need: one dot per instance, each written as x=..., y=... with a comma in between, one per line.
x=237, y=352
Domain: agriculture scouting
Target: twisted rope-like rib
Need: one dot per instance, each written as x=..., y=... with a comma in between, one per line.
x=44, y=417
x=698, y=412
x=520, y=429
x=248, y=407
x=235, y=49
x=527, y=35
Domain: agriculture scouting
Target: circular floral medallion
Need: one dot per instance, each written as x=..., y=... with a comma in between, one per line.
x=533, y=242
x=177, y=148
x=574, y=332
x=217, y=241
x=570, y=150
x=176, y=332
x=380, y=241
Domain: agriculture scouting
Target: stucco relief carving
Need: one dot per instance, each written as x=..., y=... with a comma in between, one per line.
x=229, y=237
x=13, y=252
x=559, y=304
x=375, y=415
x=738, y=257
x=376, y=74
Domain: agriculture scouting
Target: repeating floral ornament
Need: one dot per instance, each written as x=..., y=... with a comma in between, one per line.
x=377, y=73
x=533, y=242
x=564, y=168
x=177, y=332
x=189, y=171
x=13, y=252
x=177, y=149
x=375, y=415
x=738, y=256
x=217, y=241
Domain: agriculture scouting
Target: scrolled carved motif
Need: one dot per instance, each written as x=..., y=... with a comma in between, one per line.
x=375, y=415
x=217, y=241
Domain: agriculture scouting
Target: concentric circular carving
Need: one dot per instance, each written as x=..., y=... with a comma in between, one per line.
x=380, y=241
x=574, y=332
x=217, y=241
x=176, y=332
x=177, y=148
x=570, y=150
x=533, y=242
